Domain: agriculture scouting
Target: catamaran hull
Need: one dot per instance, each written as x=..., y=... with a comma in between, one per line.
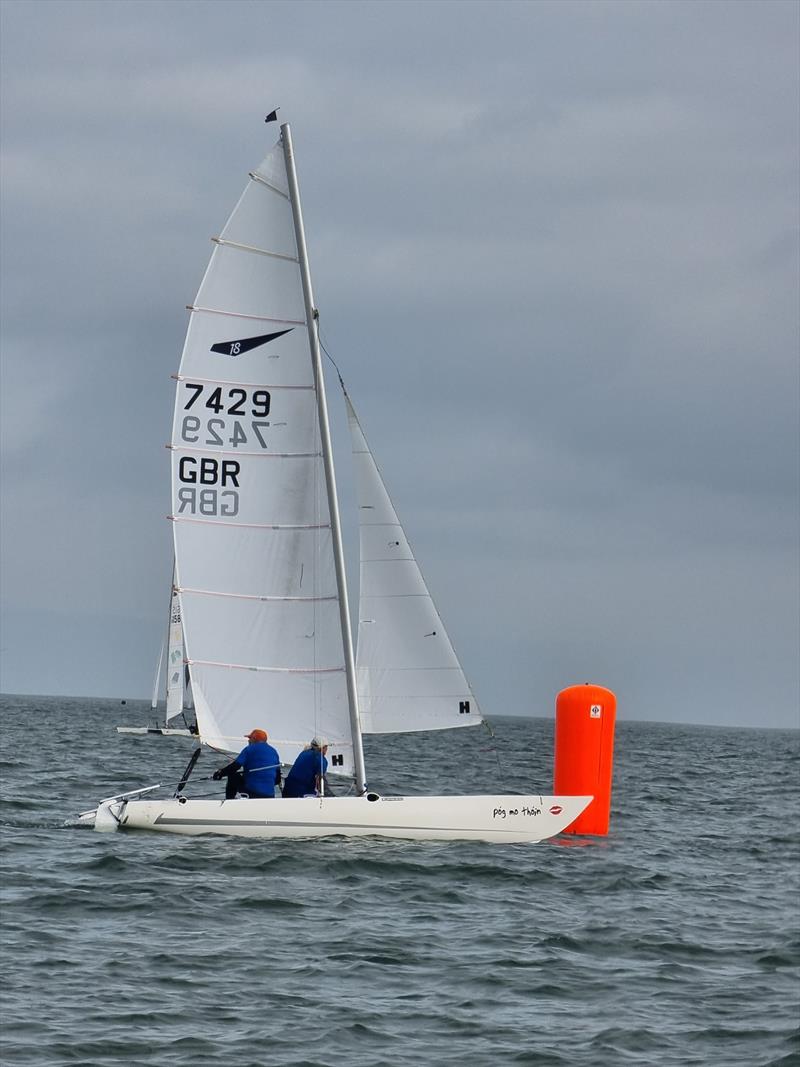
x=466, y=818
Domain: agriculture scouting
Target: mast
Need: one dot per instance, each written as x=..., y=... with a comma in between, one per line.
x=327, y=456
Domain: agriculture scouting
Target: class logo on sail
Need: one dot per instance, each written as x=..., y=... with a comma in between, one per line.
x=245, y=344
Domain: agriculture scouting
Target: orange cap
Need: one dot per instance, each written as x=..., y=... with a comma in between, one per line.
x=257, y=735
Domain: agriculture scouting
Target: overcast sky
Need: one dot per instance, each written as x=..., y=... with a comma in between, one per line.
x=554, y=246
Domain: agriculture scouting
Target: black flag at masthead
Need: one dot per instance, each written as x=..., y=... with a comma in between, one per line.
x=272, y=116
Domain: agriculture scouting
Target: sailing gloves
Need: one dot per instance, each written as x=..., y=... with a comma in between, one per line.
x=224, y=772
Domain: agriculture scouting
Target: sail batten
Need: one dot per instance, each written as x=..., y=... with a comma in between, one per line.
x=229, y=381
x=240, y=315
x=249, y=525
x=263, y=181
x=255, y=596
x=240, y=452
x=261, y=667
x=252, y=248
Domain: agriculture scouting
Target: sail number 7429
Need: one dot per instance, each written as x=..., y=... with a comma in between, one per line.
x=223, y=432
x=235, y=401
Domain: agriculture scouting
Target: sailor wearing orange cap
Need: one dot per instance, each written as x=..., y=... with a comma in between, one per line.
x=255, y=771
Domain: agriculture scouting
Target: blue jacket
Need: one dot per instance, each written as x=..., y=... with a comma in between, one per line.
x=260, y=762
x=301, y=779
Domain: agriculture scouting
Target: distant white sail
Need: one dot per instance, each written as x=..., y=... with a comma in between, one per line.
x=175, y=667
x=253, y=545
x=157, y=679
x=409, y=677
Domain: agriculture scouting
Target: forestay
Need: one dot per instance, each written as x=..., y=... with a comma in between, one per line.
x=409, y=677
x=254, y=560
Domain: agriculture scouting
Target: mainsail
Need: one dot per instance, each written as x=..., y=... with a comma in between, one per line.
x=253, y=546
x=409, y=677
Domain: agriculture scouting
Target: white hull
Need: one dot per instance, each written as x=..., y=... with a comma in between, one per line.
x=465, y=818
x=165, y=731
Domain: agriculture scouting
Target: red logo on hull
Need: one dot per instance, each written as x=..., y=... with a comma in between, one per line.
x=556, y=809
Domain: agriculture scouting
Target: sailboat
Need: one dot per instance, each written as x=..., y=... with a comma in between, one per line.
x=260, y=571
x=177, y=685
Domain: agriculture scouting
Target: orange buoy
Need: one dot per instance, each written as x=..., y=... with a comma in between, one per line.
x=584, y=752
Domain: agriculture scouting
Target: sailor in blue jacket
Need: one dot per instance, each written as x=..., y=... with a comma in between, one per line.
x=308, y=772
x=255, y=771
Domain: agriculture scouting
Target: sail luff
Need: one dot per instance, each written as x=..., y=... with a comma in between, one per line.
x=327, y=452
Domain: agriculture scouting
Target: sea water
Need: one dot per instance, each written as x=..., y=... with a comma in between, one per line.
x=672, y=941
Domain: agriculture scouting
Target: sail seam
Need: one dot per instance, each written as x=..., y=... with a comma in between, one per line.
x=254, y=176
x=243, y=315
x=227, y=381
x=253, y=525
x=252, y=596
x=277, y=670
x=252, y=248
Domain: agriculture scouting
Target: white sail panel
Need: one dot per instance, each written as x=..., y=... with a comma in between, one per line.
x=255, y=225
x=282, y=553
x=281, y=355
x=253, y=283
x=261, y=490
x=175, y=665
x=425, y=645
x=246, y=420
x=409, y=677
x=287, y=633
x=253, y=546
x=439, y=684
x=391, y=577
x=230, y=702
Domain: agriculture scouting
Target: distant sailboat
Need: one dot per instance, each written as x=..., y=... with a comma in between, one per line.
x=177, y=685
x=260, y=574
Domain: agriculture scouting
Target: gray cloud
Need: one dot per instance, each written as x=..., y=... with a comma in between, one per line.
x=555, y=249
